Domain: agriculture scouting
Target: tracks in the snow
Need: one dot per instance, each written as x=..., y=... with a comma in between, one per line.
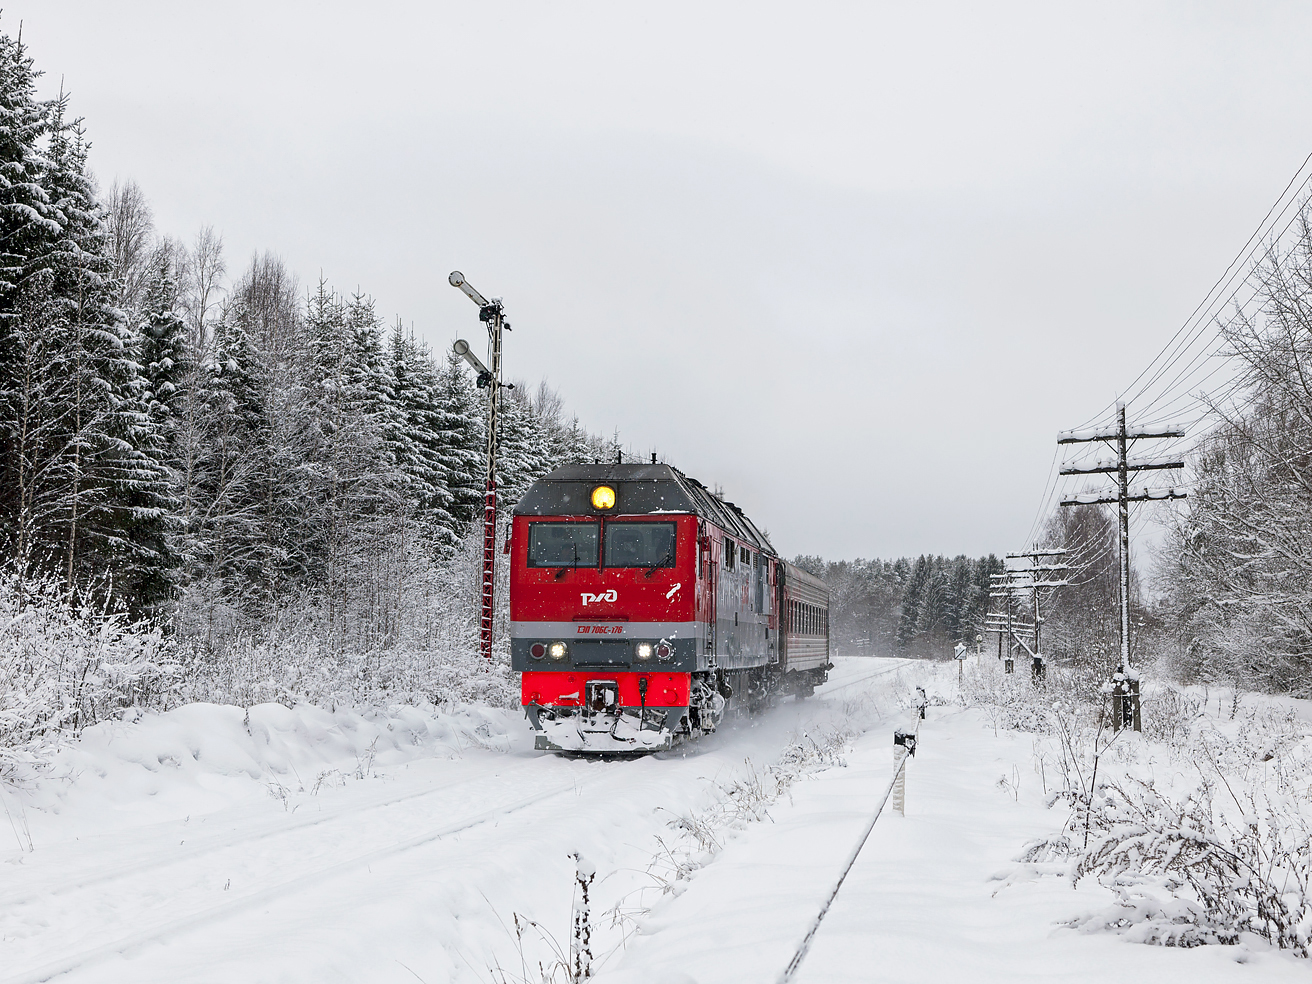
x=828, y=690
x=205, y=846
x=292, y=886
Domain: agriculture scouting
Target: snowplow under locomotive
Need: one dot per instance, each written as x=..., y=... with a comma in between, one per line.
x=641, y=605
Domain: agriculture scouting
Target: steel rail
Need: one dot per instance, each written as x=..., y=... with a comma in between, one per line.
x=805, y=946
x=66, y=965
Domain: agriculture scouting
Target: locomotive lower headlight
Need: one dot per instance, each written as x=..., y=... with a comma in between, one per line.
x=643, y=650
x=537, y=650
x=558, y=650
x=664, y=652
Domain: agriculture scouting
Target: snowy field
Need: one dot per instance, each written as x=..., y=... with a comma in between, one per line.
x=211, y=844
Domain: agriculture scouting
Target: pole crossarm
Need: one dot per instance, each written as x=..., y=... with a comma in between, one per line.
x=1113, y=468
x=1049, y=552
x=1017, y=637
x=1151, y=495
x=1088, y=437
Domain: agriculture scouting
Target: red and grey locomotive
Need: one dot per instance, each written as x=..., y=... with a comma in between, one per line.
x=641, y=605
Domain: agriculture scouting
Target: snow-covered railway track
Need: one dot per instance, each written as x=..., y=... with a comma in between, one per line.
x=293, y=886
x=207, y=846
x=835, y=688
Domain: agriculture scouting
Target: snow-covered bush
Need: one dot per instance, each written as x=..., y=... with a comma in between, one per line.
x=1184, y=873
x=290, y=670
x=66, y=663
x=421, y=647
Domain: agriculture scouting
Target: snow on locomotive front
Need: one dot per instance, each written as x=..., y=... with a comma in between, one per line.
x=639, y=604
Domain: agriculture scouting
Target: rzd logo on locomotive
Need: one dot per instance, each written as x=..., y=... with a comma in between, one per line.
x=610, y=595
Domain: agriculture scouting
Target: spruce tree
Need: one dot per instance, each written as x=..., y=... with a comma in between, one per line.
x=463, y=414
x=166, y=360
x=422, y=440
x=28, y=226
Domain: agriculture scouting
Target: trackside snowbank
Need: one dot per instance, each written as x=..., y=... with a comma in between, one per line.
x=151, y=767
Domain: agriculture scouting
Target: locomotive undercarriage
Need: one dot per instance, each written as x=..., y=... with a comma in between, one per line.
x=599, y=725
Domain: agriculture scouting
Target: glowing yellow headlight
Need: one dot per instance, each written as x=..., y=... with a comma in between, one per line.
x=603, y=497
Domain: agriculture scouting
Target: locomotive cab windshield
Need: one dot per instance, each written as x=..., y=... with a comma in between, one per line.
x=644, y=544
x=563, y=544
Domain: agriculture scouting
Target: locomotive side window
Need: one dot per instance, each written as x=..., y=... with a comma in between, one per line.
x=563, y=544
x=640, y=545
x=730, y=551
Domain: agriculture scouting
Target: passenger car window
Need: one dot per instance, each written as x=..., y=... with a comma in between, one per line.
x=640, y=544
x=563, y=544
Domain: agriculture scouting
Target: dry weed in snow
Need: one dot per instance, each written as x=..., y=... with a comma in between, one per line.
x=1220, y=853
x=1184, y=874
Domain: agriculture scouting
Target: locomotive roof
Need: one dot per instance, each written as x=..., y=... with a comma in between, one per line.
x=639, y=490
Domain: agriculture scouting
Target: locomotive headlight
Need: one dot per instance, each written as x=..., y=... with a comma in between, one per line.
x=558, y=650
x=642, y=650
x=664, y=652
x=603, y=497
x=537, y=650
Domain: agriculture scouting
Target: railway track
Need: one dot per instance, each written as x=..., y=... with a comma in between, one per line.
x=164, y=930
x=209, y=846
x=828, y=689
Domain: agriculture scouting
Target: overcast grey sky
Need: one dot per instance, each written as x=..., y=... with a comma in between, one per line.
x=856, y=263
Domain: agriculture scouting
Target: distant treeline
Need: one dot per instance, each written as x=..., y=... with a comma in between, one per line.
x=908, y=607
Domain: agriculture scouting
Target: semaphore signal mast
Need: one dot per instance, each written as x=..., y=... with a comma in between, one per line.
x=491, y=314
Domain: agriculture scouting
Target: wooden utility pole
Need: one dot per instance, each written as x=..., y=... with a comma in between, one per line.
x=1004, y=587
x=1119, y=441
x=1037, y=581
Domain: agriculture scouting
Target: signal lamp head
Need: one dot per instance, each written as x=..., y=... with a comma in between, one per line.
x=642, y=650
x=664, y=652
x=537, y=650
x=558, y=650
x=603, y=497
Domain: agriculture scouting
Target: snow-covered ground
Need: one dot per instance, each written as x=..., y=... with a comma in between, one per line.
x=212, y=844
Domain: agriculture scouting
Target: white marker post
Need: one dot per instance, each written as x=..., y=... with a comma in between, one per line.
x=904, y=746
